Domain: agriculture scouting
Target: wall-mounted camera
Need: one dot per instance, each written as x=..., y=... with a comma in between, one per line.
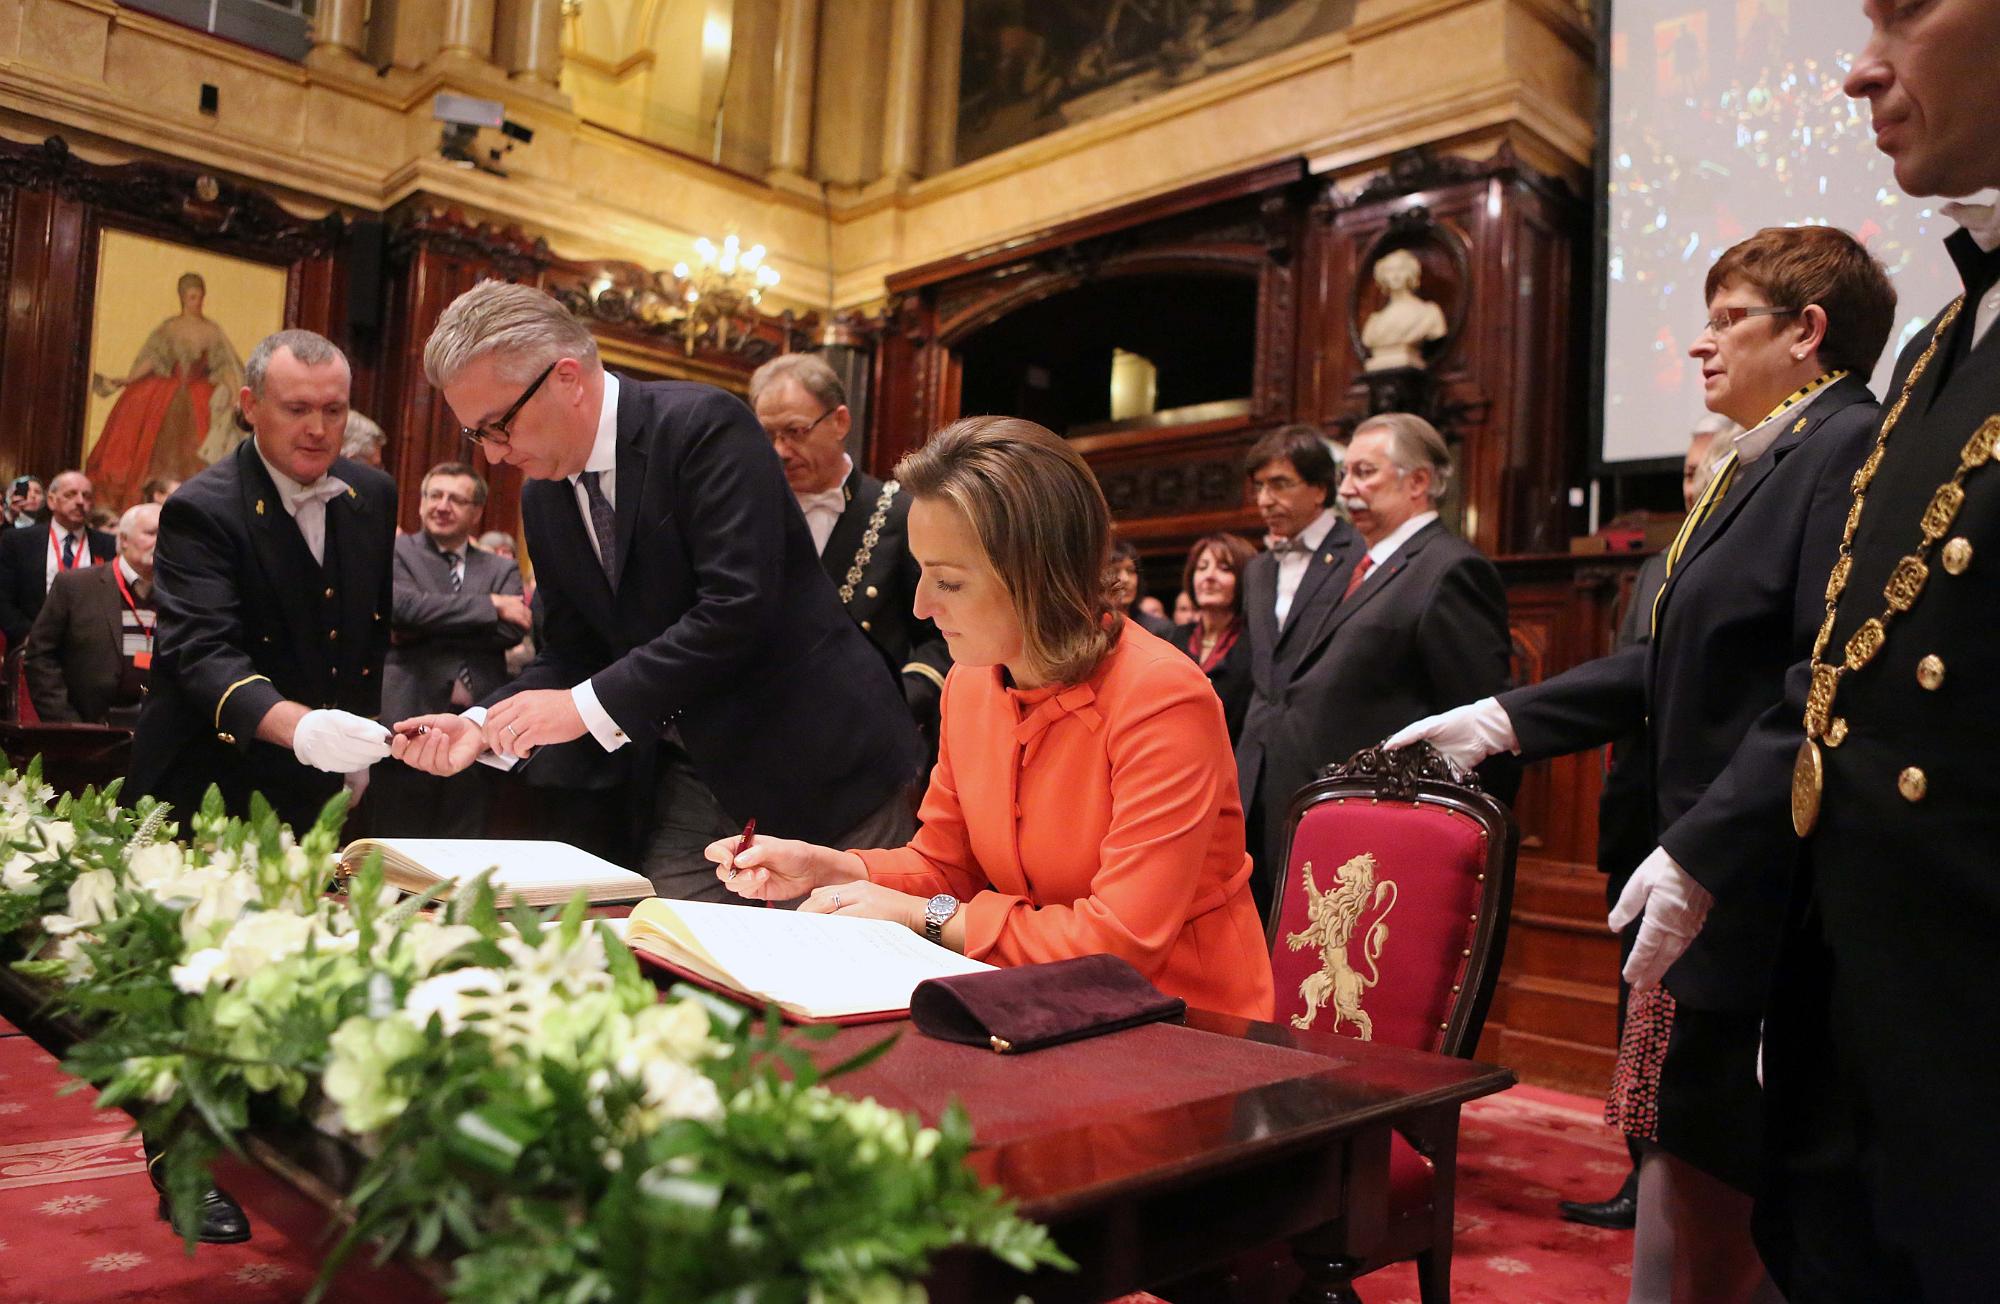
x=463, y=116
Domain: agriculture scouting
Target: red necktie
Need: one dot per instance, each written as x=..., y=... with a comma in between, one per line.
x=1361, y=569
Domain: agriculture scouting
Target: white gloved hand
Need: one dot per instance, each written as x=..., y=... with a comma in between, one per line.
x=339, y=742
x=1466, y=735
x=1673, y=907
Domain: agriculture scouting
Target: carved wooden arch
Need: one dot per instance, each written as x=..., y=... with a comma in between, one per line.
x=964, y=314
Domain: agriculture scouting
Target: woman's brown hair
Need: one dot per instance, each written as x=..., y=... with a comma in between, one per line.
x=1794, y=266
x=1236, y=554
x=1041, y=517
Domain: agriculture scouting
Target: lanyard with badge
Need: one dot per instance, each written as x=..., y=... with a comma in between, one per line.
x=143, y=658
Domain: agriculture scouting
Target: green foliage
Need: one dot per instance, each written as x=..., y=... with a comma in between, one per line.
x=529, y=1102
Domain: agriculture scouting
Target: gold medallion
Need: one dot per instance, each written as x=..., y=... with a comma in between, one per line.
x=1808, y=778
x=1930, y=673
x=1957, y=555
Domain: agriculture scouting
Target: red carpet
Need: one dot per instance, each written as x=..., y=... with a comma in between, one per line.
x=77, y=1223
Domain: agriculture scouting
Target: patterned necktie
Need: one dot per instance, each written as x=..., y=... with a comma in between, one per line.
x=69, y=551
x=1361, y=569
x=461, y=689
x=603, y=524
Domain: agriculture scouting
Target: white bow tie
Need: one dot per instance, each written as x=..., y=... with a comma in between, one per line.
x=326, y=490
x=834, y=500
x=1272, y=543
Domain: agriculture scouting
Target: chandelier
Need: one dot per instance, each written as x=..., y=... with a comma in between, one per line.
x=714, y=302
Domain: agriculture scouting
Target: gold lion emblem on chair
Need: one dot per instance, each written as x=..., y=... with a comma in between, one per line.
x=1332, y=920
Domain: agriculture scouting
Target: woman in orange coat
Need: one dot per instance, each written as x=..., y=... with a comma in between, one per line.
x=1084, y=799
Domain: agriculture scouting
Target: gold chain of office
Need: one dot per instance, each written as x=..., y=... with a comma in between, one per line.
x=871, y=537
x=1900, y=593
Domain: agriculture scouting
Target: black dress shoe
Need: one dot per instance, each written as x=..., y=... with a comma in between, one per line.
x=1619, y=1213
x=222, y=1219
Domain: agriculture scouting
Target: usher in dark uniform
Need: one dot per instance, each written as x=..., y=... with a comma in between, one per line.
x=248, y=619
x=1882, y=1054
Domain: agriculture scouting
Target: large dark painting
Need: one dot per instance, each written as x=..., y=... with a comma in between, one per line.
x=1030, y=68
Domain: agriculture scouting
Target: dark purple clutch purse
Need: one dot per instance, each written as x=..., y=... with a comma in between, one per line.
x=1031, y=1006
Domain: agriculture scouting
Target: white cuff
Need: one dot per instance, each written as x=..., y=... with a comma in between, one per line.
x=477, y=714
x=602, y=727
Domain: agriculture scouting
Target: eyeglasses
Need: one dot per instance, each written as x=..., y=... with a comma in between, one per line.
x=459, y=501
x=795, y=434
x=1724, y=318
x=498, y=433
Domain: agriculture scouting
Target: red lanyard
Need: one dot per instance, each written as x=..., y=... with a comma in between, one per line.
x=143, y=660
x=82, y=550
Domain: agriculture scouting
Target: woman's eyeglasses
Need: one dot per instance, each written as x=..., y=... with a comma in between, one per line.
x=1724, y=318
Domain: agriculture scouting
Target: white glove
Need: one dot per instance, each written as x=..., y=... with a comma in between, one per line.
x=1466, y=735
x=339, y=742
x=1673, y=906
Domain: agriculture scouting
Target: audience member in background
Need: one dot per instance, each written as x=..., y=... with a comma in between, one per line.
x=1215, y=638
x=363, y=441
x=30, y=560
x=499, y=543
x=859, y=524
x=1083, y=797
x=158, y=489
x=1796, y=319
x=1625, y=833
x=26, y=502
x=1152, y=606
x=1124, y=583
x=688, y=624
x=272, y=584
x=91, y=648
x=1185, y=612
x=103, y=521
x=458, y=610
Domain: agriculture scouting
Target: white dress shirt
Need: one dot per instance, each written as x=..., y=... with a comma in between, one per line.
x=1982, y=223
x=1292, y=564
x=306, y=504
x=823, y=509
x=82, y=555
x=1396, y=538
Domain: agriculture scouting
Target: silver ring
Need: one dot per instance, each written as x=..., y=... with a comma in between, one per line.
x=836, y=900
x=508, y=729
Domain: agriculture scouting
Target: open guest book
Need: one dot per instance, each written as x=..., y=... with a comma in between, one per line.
x=814, y=968
x=524, y=872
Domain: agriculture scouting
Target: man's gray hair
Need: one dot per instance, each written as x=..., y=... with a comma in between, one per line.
x=527, y=330
x=362, y=435
x=1712, y=425
x=134, y=514
x=1413, y=442
x=61, y=476
x=309, y=347
x=494, y=540
x=811, y=372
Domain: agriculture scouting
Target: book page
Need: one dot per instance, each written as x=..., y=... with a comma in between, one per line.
x=823, y=966
x=524, y=865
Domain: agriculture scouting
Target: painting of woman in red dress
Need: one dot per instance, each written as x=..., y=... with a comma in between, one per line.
x=176, y=407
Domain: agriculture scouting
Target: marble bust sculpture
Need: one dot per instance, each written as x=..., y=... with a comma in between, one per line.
x=1395, y=333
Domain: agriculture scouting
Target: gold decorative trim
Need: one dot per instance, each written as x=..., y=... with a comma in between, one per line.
x=931, y=673
x=224, y=699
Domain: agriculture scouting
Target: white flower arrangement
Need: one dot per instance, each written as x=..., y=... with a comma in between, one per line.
x=521, y=1089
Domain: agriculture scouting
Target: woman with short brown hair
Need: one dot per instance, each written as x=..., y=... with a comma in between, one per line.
x=1084, y=799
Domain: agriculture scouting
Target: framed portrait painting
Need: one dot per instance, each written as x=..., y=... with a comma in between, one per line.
x=170, y=326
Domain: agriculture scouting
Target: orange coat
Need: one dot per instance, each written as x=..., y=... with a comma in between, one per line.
x=1098, y=817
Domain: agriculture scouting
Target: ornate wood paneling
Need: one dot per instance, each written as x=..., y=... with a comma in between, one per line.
x=57, y=205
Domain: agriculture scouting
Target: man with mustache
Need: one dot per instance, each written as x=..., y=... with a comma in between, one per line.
x=1880, y=1059
x=1363, y=626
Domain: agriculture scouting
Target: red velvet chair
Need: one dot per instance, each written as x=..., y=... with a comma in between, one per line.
x=1389, y=925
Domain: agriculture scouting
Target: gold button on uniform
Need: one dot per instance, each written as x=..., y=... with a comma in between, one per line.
x=333, y=635
x=329, y=593
x=227, y=739
x=1957, y=555
x=1930, y=672
x=866, y=626
x=1912, y=784
x=874, y=592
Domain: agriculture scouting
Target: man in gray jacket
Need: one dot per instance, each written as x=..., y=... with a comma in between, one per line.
x=457, y=611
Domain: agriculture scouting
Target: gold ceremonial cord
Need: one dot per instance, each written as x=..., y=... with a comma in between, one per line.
x=869, y=539
x=1725, y=475
x=224, y=699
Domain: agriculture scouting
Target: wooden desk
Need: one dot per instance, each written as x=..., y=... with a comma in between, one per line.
x=1151, y=1154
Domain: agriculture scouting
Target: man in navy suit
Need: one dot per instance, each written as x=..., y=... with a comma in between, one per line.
x=31, y=559
x=690, y=625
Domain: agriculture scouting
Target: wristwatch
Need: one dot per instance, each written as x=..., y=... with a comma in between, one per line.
x=937, y=913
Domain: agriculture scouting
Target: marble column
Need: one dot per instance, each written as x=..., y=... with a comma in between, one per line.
x=468, y=29
x=797, y=56
x=341, y=27
x=537, y=41
x=903, y=114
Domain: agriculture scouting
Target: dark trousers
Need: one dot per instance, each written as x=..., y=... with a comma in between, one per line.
x=406, y=803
